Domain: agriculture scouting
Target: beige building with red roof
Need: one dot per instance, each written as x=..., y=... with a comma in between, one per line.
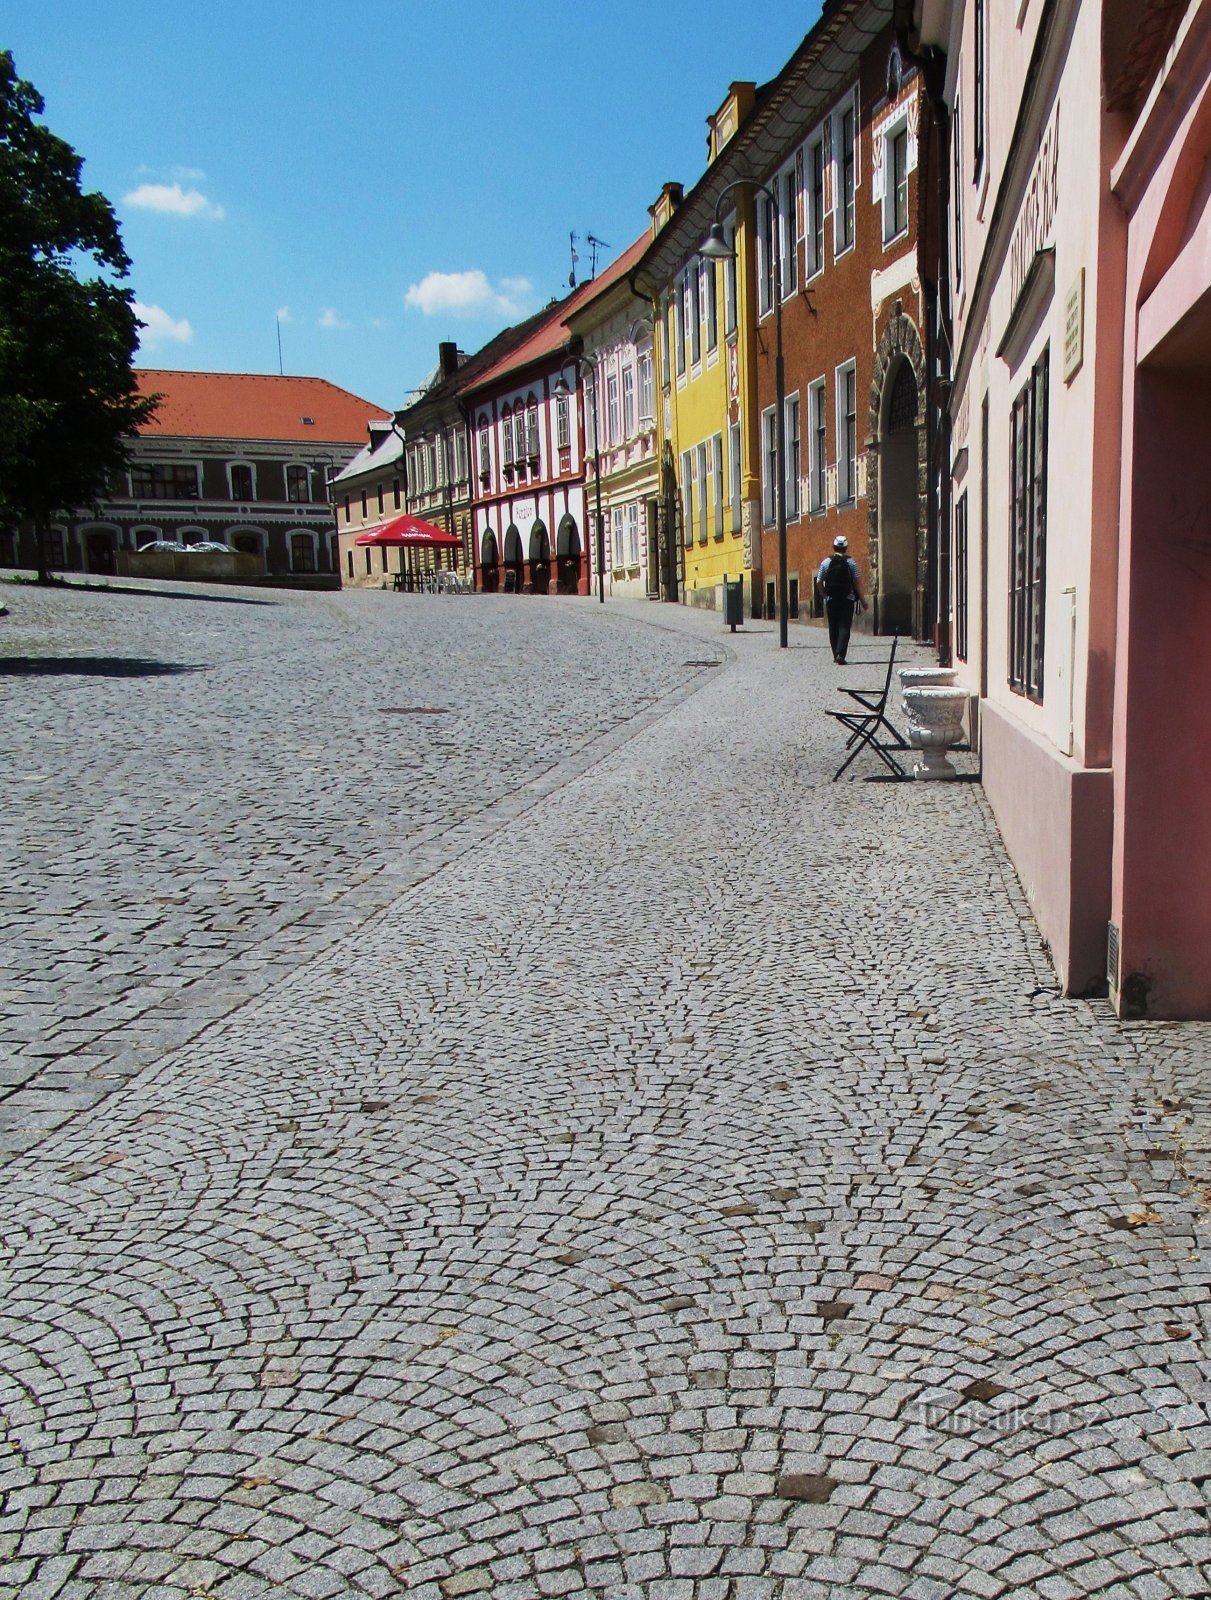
x=241, y=461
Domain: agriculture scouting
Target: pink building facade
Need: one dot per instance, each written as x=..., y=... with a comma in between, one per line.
x=1078, y=546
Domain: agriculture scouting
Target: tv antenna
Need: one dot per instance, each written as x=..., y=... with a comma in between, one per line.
x=595, y=244
x=572, y=238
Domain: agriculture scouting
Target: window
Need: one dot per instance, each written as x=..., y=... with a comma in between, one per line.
x=485, y=450
x=562, y=434
x=729, y=287
x=532, y=429
x=628, y=402
x=365, y=508
x=814, y=205
x=591, y=417
x=679, y=319
x=647, y=411
x=156, y=481
x=703, y=492
x=349, y=558
x=956, y=197
x=765, y=256
x=613, y=433
x=383, y=554
x=395, y=492
x=687, y=494
x=380, y=503
x=346, y=508
x=617, y=553
x=791, y=487
x=846, y=174
x=961, y=578
x=666, y=341
x=769, y=465
x=694, y=282
x=895, y=194
x=712, y=307
x=1028, y=533
x=519, y=434
x=717, y=498
x=241, y=482
x=633, y=534
x=817, y=446
x=979, y=85
x=733, y=451
x=298, y=488
x=460, y=456
x=302, y=553
x=507, y=431
x=785, y=189
x=847, y=435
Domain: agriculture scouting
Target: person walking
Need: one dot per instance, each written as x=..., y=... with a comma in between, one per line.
x=842, y=590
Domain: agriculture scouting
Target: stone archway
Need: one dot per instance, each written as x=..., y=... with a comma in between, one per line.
x=567, y=555
x=897, y=479
x=489, y=563
x=540, y=558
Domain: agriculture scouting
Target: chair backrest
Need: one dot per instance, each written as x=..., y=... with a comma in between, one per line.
x=891, y=663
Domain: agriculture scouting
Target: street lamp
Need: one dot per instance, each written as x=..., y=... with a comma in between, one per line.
x=717, y=248
x=577, y=354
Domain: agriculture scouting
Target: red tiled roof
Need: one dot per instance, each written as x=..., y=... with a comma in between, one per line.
x=547, y=339
x=250, y=405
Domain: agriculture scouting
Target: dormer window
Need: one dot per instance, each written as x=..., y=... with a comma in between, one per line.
x=308, y=422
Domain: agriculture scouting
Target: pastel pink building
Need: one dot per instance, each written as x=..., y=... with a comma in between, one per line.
x=1077, y=468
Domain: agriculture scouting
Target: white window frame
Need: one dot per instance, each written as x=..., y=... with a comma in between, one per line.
x=786, y=188
x=896, y=130
x=717, y=497
x=563, y=430
x=769, y=466
x=793, y=443
x=712, y=311
x=687, y=496
x=817, y=446
x=647, y=394
x=485, y=449
x=694, y=281
x=628, y=401
x=814, y=197
x=633, y=534
x=765, y=256
x=703, y=495
x=842, y=245
x=729, y=282
x=231, y=494
x=847, y=434
x=735, y=468
x=613, y=431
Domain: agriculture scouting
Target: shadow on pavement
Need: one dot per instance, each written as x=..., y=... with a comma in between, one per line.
x=91, y=667
x=155, y=594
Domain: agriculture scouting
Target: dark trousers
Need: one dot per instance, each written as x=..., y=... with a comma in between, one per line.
x=840, y=619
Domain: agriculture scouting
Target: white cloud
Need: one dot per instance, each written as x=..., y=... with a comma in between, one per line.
x=283, y=313
x=468, y=294
x=159, y=327
x=171, y=200
x=329, y=319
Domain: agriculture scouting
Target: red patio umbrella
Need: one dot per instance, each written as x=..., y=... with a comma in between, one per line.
x=413, y=532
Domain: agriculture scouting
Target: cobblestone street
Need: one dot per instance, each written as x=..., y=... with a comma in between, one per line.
x=485, y=1114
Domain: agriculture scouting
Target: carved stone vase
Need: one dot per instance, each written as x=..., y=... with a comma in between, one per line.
x=935, y=724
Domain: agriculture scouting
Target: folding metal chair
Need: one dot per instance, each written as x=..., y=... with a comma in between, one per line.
x=864, y=725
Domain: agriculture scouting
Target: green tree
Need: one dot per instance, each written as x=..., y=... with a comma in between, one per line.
x=68, y=396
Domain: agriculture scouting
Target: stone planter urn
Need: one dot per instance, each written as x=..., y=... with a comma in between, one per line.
x=935, y=724
x=927, y=677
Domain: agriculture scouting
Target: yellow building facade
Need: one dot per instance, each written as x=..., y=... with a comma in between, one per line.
x=704, y=317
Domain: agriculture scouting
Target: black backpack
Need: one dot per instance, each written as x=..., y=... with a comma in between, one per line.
x=838, y=580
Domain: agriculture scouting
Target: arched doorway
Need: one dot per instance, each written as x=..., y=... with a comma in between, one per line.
x=514, y=561
x=567, y=556
x=899, y=557
x=540, y=559
x=489, y=563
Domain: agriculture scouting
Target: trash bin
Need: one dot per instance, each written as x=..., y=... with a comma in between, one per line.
x=733, y=603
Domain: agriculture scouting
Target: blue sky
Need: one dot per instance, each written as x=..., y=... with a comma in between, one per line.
x=384, y=177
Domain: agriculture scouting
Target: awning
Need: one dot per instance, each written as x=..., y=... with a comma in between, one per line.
x=408, y=530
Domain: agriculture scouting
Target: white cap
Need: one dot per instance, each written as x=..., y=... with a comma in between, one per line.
x=840, y=542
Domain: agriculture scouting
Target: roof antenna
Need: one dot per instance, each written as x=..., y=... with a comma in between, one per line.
x=572, y=238
x=595, y=244
x=278, y=320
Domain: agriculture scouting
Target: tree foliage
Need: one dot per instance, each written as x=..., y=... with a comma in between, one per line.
x=69, y=401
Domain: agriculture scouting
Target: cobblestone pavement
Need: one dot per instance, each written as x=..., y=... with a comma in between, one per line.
x=682, y=1181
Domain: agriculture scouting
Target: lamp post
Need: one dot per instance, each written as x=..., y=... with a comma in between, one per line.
x=577, y=354
x=717, y=248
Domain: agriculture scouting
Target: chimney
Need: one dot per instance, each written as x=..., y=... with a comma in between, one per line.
x=447, y=358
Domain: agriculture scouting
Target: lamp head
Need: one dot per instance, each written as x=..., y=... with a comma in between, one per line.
x=716, y=247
